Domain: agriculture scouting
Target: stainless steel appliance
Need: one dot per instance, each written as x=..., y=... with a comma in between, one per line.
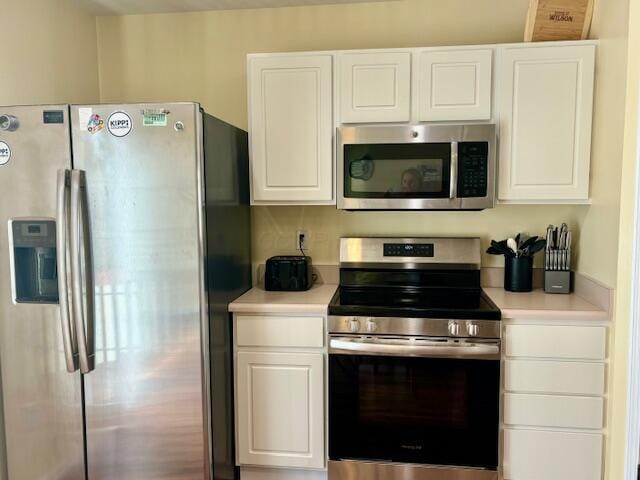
x=414, y=362
x=416, y=167
x=124, y=234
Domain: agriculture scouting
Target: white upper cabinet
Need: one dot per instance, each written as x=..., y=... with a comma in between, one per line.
x=291, y=129
x=454, y=85
x=545, y=99
x=375, y=87
x=539, y=94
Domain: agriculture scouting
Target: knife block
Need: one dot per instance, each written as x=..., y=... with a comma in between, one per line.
x=557, y=281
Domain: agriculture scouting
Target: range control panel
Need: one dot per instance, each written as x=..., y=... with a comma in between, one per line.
x=472, y=169
x=408, y=249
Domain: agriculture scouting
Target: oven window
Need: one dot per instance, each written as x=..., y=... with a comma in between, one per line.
x=412, y=170
x=414, y=410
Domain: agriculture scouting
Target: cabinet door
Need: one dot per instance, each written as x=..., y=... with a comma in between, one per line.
x=291, y=129
x=545, y=102
x=454, y=85
x=280, y=409
x=545, y=455
x=375, y=87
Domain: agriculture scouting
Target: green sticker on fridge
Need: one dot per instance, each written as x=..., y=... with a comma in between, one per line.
x=154, y=120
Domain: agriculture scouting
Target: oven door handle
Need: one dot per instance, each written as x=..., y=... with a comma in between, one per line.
x=358, y=346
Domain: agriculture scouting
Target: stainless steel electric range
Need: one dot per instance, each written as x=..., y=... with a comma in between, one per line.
x=414, y=363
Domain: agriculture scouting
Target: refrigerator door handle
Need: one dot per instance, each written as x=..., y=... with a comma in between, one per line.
x=82, y=301
x=69, y=341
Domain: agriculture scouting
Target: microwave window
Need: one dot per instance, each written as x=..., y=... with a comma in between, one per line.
x=397, y=170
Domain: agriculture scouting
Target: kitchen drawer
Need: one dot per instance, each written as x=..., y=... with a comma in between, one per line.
x=554, y=377
x=553, y=411
x=279, y=331
x=578, y=342
x=544, y=455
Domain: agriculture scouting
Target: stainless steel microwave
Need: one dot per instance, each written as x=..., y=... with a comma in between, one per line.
x=416, y=167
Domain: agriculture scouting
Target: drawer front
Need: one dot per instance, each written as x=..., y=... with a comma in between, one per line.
x=542, y=455
x=279, y=331
x=553, y=411
x=554, y=377
x=588, y=343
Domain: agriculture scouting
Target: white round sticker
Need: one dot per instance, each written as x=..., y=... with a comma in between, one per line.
x=119, y=124
x=5, y=153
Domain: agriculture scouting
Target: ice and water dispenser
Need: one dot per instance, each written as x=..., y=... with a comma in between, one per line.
x=34, y=269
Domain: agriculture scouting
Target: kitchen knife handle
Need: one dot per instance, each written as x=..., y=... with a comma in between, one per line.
x=69, y=341
x=80, y=230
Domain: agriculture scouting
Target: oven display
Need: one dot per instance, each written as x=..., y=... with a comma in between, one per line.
x=408, y=249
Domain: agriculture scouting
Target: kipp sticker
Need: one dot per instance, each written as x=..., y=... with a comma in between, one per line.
x=95, y=123
x=5, y=153
x=119, y=124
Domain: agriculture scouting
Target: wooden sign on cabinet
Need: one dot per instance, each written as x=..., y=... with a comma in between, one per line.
x=558, y=20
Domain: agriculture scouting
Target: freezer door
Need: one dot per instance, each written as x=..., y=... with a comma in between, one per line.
x=42, y=401
x=145, y=396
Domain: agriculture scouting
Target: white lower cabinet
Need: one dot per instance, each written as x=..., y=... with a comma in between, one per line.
x=562, y=377
x=280, y=391
x=553, y=411
x=553, y=401
x=547, y=455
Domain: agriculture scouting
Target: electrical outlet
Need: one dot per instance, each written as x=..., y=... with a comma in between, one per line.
x=301, y=239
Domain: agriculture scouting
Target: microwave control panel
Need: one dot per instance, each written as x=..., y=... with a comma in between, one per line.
x=472, y=169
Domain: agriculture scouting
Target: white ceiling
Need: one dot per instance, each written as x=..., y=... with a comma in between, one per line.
x=128, y=7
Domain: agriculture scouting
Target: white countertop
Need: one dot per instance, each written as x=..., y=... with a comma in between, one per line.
x=529, y=305
x=540, y=305
x=258, y=300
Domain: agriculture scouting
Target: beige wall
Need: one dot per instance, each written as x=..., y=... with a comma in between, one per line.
x=201, y=56
x=48, y=51
x=621, y=332
x=599, y=235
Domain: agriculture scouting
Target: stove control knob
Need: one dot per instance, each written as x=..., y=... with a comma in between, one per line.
x=454, y=328
x=472, y=329
x=354, y=325
x=371, y=326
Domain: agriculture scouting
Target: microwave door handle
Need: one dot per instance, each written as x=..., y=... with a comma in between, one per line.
x=80, y=230
x=69, y=341
x=465, y=350
x=453, y=178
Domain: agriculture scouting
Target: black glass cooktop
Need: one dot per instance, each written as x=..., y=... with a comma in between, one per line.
x=419, y=294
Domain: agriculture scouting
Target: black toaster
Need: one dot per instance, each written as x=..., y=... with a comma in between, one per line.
x=288, y=273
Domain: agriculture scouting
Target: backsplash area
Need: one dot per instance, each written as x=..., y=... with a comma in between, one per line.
x=274, y=228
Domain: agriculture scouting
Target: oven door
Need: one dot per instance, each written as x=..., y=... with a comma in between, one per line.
x=414, y=167
x=414, y=401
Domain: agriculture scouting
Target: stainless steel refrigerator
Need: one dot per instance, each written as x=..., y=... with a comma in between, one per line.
x=124, y=234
